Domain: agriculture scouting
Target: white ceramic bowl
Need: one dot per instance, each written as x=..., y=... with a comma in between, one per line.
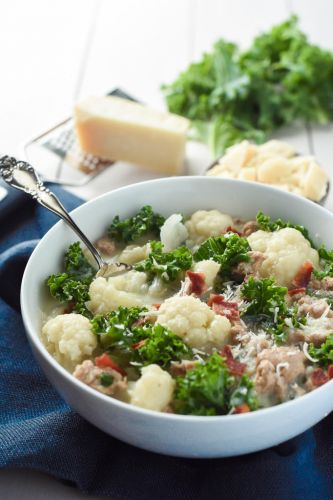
x=186, y=436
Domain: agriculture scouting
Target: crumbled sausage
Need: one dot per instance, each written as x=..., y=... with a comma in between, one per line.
x=92, y=375
x=277, y=368
x=106, y=245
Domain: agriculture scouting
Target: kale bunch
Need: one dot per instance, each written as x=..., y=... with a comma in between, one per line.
x=324, y=353
x=231, y=95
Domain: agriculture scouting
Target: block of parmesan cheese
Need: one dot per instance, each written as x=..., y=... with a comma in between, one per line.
x=121, y=130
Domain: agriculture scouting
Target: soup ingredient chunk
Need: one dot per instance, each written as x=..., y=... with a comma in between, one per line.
x=194, y=321
x=153, y=390
x=105, y=380
x=69, y=338
x=206, y=223
x=285, y=251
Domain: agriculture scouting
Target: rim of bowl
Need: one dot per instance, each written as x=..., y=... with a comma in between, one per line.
x=35, y=339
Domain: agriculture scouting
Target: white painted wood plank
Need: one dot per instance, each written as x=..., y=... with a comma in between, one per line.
x=138, y=46
x=235, y=20
x=41, y=45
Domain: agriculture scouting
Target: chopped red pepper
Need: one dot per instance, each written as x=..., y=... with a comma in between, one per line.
x=303, y=275
x=138, y=344
x=330, y=371
x=244, y=408
x=319, y=377
x=104, y=361
x=157, y=306
x=231, y=229
x=223, y=307
x=235, y=367
x=296, y=291
x=198, y=284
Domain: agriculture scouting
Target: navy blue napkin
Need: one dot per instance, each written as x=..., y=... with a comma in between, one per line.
x=39, y=431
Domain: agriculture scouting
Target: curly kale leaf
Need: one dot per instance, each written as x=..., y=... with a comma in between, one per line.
x=161, y=346
x=267, y=300
x=72, y=286
x=210, y=389
x=76, y=264
x=117, y=325
x=267, y=224
x=324, y=353
x=264, y=296
x=146, y=344
x=228, y=250
x=326, y=263
x=231, y=95
x=128, y=230
x=167, y=265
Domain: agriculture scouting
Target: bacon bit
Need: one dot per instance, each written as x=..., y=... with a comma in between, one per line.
x=296, y=291
x=303, y=275
x=69, y=309
x=157, y=306
x=235, y=367
x=138, y=344
x=231, y=229
x=330, y=371
x=319, y=377
x=104, y=361
x=198, y=284
x=223, y=307
x=214, y=298
x=244, y=408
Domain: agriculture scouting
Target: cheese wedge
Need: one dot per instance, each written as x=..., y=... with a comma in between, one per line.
x=117, y=129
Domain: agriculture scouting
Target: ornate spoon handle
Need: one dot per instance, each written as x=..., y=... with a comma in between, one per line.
x=21, y=175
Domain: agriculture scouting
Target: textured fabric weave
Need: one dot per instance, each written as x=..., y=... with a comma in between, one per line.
x=39, y=431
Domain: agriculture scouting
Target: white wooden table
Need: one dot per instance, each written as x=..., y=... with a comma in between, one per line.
x=54, y=53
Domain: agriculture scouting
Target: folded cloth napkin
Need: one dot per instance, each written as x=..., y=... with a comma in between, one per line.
x=39, y=431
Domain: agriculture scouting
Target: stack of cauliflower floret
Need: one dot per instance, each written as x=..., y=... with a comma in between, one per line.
x=70, y=339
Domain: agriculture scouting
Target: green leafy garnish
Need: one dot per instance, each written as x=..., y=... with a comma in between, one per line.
x=167, y=265
x=324, y=353
x=267, y=224
x=326, y=263
x=228, y=250
x=210, y=389
x=265, y=298
x=144, y=344
x=231, y=95
x=72, y=286
x=161, y=346
x=132, y=229
x=106, y=379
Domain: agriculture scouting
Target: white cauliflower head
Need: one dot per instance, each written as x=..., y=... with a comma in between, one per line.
x=153, y=390
x=194, y=321
x=128, y=290
x=69, y=338
x=209, y=268
x=285, y=251
x=206, y=223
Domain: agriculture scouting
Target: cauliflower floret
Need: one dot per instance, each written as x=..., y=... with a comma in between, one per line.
x=133, y=254
x=153, y=390
x=173, y=232
x=194, y=321
x=69, y=338
x=206, y=223
x=285, y=251
x=128, y=290
x=209, y=268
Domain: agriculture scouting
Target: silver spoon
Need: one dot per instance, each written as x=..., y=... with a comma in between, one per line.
x=21, y=175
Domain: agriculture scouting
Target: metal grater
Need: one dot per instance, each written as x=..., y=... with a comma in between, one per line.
x=57, y=155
